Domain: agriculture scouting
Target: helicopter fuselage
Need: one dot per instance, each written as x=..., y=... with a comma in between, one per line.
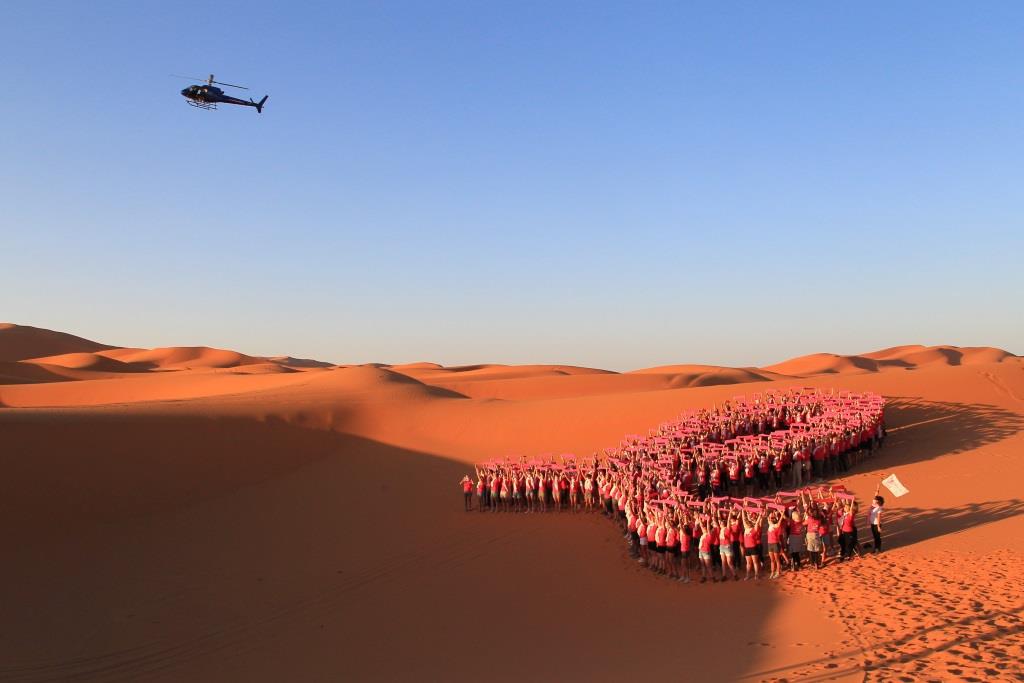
x=209, y=94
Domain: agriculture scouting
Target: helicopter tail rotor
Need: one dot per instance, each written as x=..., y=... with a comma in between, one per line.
x=259, y=105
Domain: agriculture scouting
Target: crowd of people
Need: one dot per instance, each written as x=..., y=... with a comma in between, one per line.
x=720, y=492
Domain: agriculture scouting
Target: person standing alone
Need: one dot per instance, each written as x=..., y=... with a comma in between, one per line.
x=875, y=519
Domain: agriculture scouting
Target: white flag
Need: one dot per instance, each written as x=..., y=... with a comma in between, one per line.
x=895, y=485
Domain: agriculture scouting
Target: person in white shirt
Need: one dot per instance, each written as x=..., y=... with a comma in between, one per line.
x=875, y=519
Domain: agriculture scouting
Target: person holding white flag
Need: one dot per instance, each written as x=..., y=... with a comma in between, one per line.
x=875, y=519
x=897, y=488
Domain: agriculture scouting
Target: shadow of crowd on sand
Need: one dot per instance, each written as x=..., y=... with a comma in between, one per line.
x=923, y=430
x=911, y=525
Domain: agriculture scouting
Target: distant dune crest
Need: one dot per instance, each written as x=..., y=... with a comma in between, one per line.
x=33, y=355
x=898, y=357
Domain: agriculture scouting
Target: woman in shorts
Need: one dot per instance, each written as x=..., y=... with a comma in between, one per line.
x=829, y=519
x=815, y=550
x=751, y=539
x=574, y=488
x=704, y=553
x=506, y=492
x=661, y=546
x=641, y=533
x=672, y=550
x=531, y=491
x=774, y=544
x=726, y=551
x=632, y=540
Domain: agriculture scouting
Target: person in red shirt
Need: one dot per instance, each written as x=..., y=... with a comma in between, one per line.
x=736, y=526
x=777, y=465
x=749, y=469
x=574, y=492
x=654, y=559
x=641, y=532
x=725, y=550
x=763, y=467
x=716, y=480
x=818, y=460
x=467, y=492
x=796, y=539
x=815, y=549
x=685, y=549
x=704, y=551
x=734, y=477
x=751, y=539
x=563, y=492
x=481, y=491
x=495, y=491
x=672, y=550
x=775, y=543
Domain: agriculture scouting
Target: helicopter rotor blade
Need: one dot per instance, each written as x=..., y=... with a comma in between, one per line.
x=188, y=78
x=230, y=85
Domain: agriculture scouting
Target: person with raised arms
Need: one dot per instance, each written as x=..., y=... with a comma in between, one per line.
x=751, y=539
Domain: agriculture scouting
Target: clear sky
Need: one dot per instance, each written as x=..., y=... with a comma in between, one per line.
x=619, y=185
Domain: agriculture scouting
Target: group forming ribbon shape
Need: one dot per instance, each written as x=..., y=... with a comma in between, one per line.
x=709, y=469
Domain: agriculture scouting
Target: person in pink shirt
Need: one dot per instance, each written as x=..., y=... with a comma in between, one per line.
x=725, y=549
x=775, y=543
x=467, y=492
x=707, y=570
x=751, y=539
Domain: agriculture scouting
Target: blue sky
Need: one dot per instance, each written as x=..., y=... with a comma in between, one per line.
x=619, y=185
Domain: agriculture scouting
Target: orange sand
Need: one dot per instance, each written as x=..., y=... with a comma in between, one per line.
x=199, y=514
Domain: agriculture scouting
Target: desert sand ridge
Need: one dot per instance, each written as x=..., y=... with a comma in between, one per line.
x=19, y=342
x=240, y=523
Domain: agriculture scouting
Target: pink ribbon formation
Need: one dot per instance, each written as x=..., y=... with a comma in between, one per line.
x=701, y=456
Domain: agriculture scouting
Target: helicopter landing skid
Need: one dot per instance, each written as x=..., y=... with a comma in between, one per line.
x=202, y=105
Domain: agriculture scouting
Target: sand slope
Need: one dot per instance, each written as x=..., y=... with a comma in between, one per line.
x=57, y=356
x=88, y=361
x=898, y=357
x=240, y=523
x=18, y=342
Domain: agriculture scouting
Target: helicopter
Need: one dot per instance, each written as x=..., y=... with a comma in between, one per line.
x=207, y=96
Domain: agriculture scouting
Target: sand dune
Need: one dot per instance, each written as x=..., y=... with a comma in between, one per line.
x=894, y=352
x=88, y=361
x=58, y=349
x=417, y=366
x=721, y=376
x=260, y=522
x=299, y=362
x=472, y=373
x=897, y=357
x=15, y=372
x=177, y=357
x=827, y=363
x=19, y=342
x=261, y=369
